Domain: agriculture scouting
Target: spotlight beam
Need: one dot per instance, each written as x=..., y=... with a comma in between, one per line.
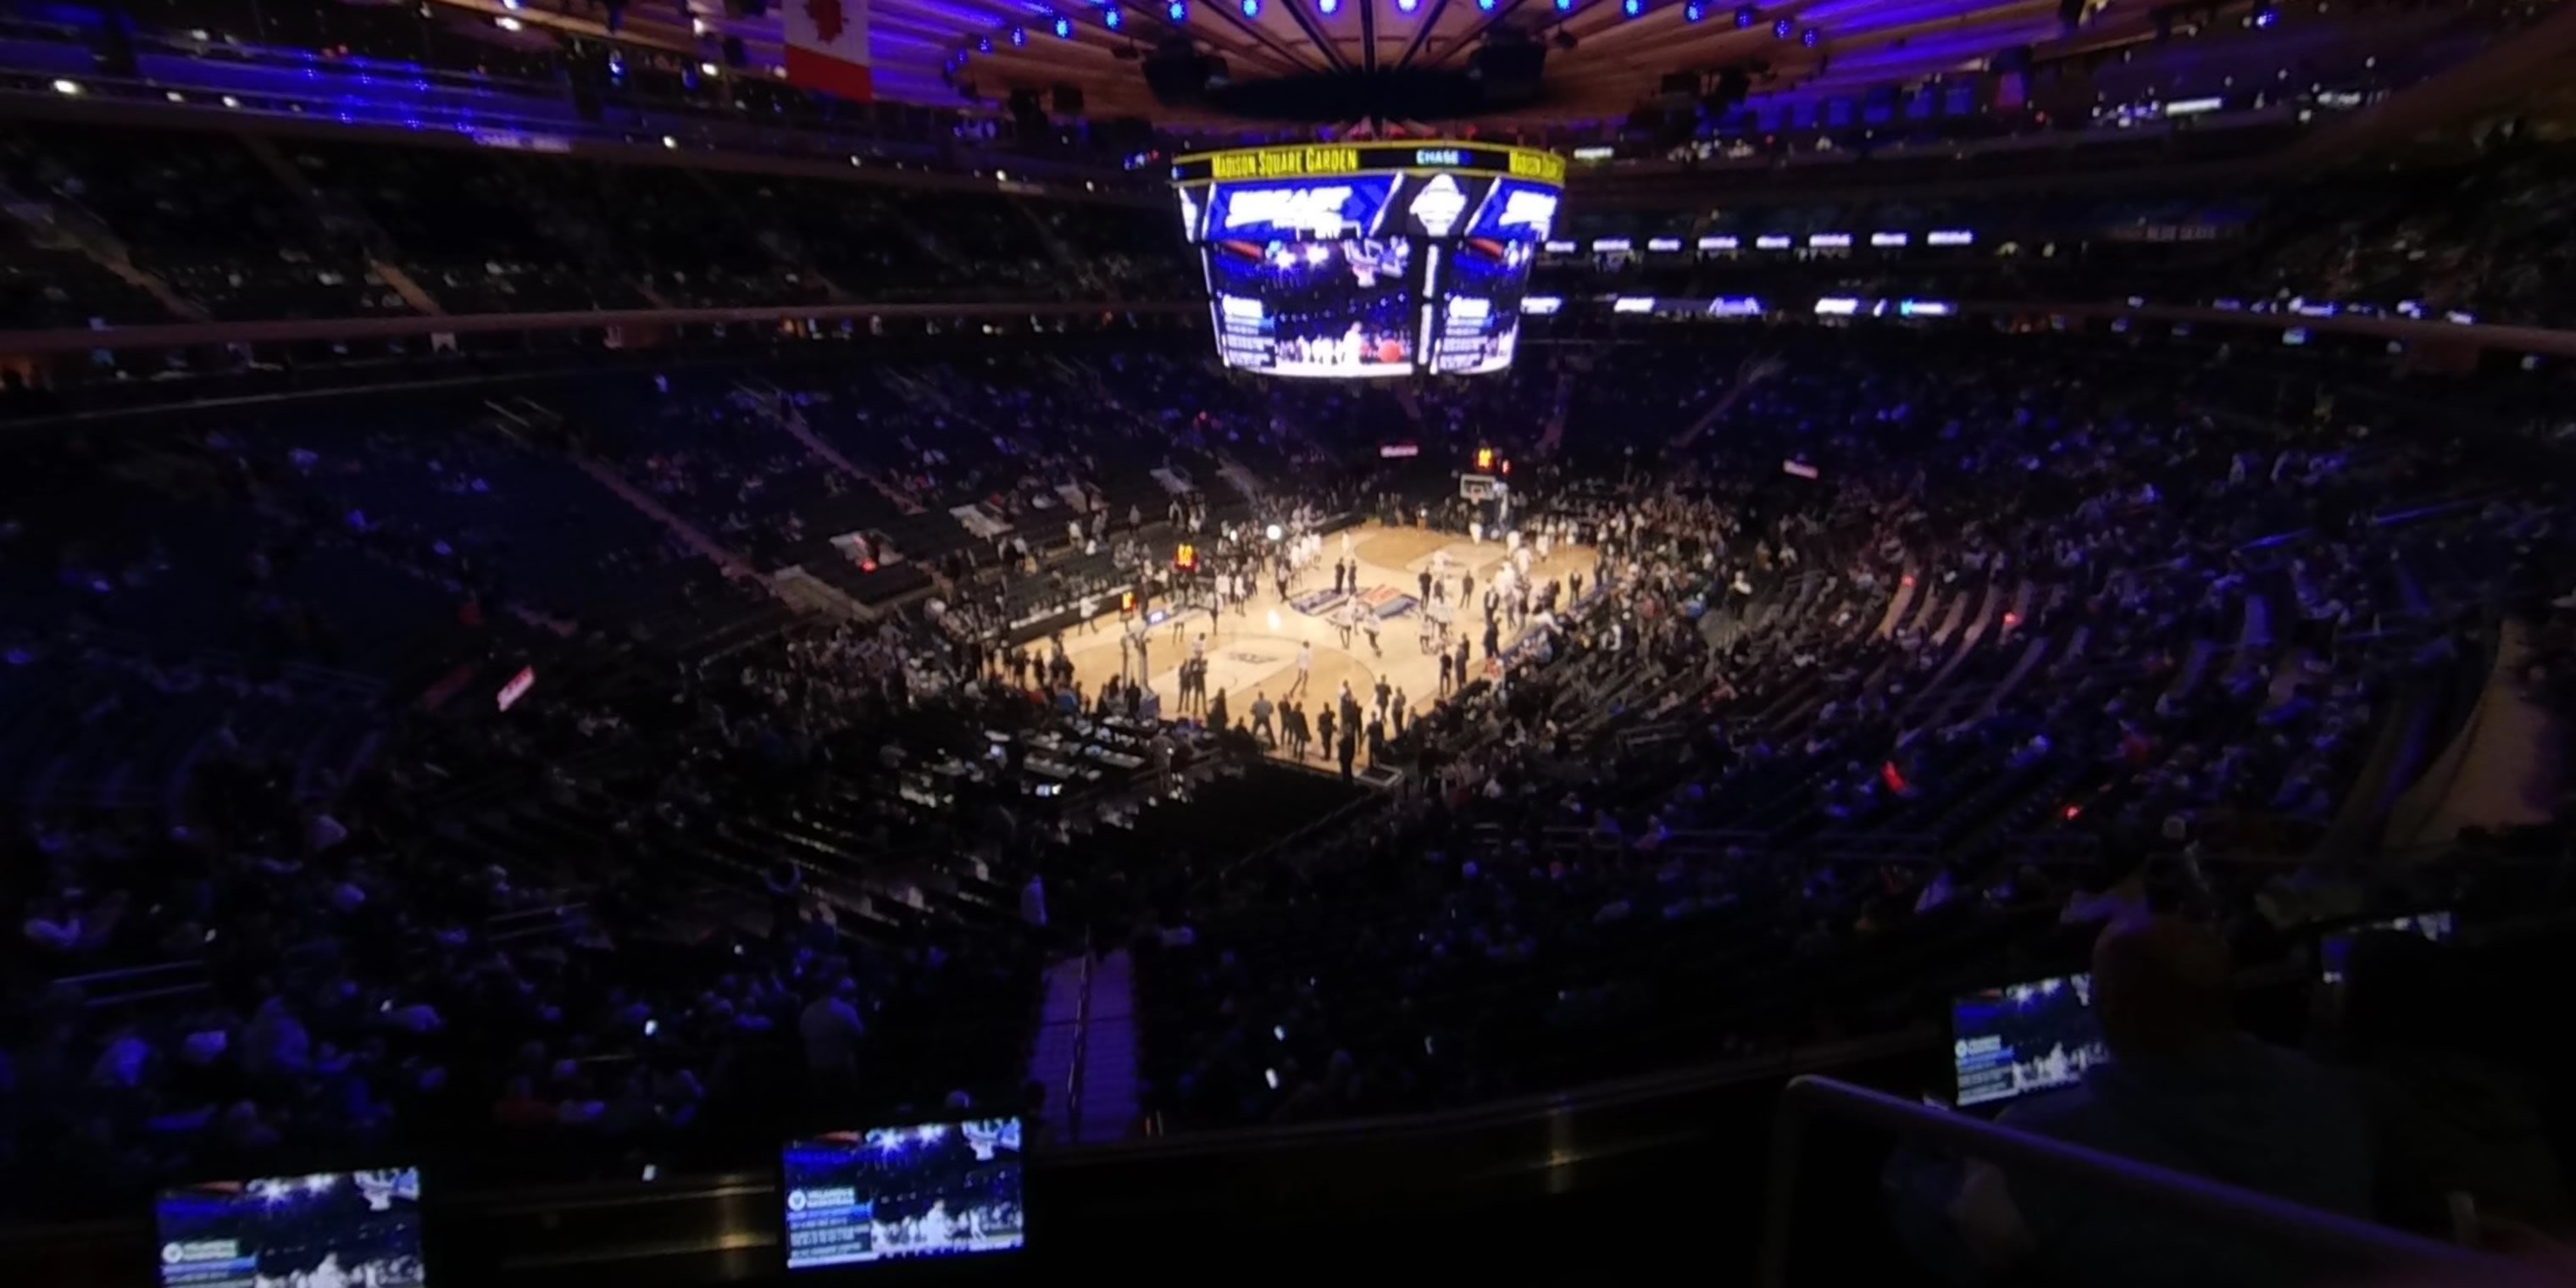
x=1234, y=18
x=1475, y=31
x=1298, y=10
x=1421, y=34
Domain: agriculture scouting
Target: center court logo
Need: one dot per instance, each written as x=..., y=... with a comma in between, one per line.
x=1247, y=657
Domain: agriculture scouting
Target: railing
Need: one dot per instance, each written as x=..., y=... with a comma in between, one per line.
x=2236, y=1209
x=1081, y=1049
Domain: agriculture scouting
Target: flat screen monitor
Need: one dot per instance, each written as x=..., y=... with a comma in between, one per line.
x=2009, y=1042
x=893, y=1193
x=2334, y=949
x=351, y=1229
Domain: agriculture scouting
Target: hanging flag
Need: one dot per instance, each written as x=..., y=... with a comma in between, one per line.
x=827, y=47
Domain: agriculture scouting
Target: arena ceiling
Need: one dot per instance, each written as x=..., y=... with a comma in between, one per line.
x=1602, y=59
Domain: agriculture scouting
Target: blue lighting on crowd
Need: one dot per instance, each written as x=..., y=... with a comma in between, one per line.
x=1779, y=29
x=1019, y=36
x=1809, y=37
x=983, y=44
x=1745, y=15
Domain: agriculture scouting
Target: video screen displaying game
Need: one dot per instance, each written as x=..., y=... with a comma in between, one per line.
x=1314, y=308
x=1480, y=284
x=2009, y=1042
x=325, y=1230
x=1338, y=260
x=890, y=1193
x=2334, y=949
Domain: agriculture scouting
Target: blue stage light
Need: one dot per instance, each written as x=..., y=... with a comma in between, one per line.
x=1111, y=18
x=1328, y=7
x=1064, y=28
x=1809, y=37
x=1408, y=5
x=1632, y=7
x=1693, y=13
x=1177, y=11
x=1019, y=37
x=1251, y=8
x=1780, y=29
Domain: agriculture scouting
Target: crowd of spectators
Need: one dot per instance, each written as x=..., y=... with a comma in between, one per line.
x=2036, y=634
x=107, y=211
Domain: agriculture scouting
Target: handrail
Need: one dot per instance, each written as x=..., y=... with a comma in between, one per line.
x=1081, y=1050
x=2235, y=1207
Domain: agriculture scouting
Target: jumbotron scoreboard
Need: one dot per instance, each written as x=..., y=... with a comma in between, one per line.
x=1345, y=260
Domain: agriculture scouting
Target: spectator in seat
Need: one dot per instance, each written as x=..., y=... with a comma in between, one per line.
x=2183, y=1091
x=831, y=1029
x=2432, y=1037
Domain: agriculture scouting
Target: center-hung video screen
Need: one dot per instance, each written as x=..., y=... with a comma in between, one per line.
x=1308, y=308
x=2009, y=1042
x=894, y=1193
x=1371, y=273
x=325, y=1230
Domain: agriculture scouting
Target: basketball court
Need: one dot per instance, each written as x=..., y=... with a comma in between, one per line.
x=1253, y=652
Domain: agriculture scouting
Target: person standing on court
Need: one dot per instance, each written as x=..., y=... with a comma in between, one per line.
x=1261, y=717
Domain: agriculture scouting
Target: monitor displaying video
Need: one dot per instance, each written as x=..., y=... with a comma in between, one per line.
x=1314, y=308
x=326, y=1230
x=892, y=1193
x=1479, y=283
x=2333, y=950
x=2009, y=1042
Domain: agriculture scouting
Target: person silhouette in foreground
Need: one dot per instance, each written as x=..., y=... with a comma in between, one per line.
x=2183, y=1091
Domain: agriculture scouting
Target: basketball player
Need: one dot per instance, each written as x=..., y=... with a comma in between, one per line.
x=1305, y=666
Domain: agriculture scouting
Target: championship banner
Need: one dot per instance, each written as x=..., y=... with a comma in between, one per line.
x=827, y=47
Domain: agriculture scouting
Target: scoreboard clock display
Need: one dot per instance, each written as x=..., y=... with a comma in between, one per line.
x=1368, y=260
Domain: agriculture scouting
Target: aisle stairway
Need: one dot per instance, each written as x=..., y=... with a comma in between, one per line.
x=1087, y=1031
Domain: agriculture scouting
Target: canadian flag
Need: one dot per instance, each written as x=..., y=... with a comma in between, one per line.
x=827, y=47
